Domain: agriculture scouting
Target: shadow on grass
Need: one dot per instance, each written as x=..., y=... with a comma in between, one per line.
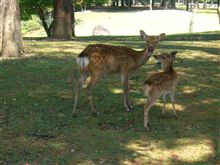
x=203, y=36
x=38, y=128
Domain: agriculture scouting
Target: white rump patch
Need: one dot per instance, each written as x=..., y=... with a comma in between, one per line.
x=82, y=62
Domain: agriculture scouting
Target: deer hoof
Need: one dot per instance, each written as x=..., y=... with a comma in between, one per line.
x=128, y=109
x=163, y=116
x=74, y=115
x=96, y=113
x=148, y=127
x=175, y=116
x=131, y=107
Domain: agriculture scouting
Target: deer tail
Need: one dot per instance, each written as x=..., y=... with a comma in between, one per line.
x=82, y=62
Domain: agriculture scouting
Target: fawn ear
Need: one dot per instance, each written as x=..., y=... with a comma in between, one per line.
x=143, y=35
x=173, y=55
x=161, y=37
x=155, y=56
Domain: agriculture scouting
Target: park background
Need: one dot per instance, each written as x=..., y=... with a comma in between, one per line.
x=38, y=86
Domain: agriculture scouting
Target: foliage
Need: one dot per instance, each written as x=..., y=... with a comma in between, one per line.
x=28, y=8
x=31, y=25
x=102, y=2
x=37, y=99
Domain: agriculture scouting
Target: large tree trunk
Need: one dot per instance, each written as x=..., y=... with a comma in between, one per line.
x=73, y=19
x=63, y=19
x=10, y=29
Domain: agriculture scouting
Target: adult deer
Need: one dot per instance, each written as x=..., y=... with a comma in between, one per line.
x=161, y=83
x=98, y=59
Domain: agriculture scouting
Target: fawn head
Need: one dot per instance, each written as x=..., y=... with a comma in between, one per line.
x=164, y=58
x=152, y=41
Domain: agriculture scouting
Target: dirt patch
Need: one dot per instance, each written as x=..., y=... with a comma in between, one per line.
x=152, y=22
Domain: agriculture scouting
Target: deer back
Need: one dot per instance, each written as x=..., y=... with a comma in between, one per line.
x=109, y=58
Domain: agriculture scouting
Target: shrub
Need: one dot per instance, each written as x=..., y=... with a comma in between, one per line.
x=30, y=25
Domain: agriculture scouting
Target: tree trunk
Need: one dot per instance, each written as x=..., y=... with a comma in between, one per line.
x=204, y=4
x=10, y=29
x=191, y=6
x=218, y=10
x=153, y=2
x=42, y=17
x=193, y=18
x=151, y=5
x=122, y=3
x=187, y=5
x=73, y=21
x=172, y=4
x=163, y=4
x=63, y=14
x=130, y=3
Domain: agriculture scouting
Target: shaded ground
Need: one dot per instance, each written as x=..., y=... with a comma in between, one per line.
x=37, y=99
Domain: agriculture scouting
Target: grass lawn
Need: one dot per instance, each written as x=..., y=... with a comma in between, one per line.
x=37, y=94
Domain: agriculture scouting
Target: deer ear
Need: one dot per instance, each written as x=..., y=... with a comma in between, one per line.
x=173, y=55
x=161, y=37
x=155, y=56
x=143, y=35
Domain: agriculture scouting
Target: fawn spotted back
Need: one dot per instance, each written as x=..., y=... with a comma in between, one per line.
x=161, y=83
x=98, y=59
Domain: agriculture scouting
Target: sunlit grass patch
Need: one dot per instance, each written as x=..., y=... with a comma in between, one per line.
x=181, y=150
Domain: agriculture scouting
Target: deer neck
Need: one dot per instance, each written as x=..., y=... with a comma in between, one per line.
x=143, y=57
x=167, y=67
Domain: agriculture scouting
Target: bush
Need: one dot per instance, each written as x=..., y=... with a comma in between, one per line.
x=30, y=25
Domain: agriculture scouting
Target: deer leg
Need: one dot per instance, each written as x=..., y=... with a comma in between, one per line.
x=172, y=98
x=81, y=81
x=150, y=102
x=89, y=87
x=124, y=78
x=164, y=103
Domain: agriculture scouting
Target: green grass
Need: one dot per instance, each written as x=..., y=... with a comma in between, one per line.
x=37, y=94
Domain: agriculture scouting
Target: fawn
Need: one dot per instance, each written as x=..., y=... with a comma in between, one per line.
x=99, y=59
x=161, y=83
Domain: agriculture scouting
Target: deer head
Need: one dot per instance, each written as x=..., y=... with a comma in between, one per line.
x=152, y=41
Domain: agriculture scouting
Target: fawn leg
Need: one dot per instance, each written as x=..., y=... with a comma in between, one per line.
x=124, y=79
x=150, y=102
x=164, y=103
x=172, y=97
x=89, y=87
x=81, y=81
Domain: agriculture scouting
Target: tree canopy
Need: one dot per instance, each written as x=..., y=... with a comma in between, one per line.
x=29, y=8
